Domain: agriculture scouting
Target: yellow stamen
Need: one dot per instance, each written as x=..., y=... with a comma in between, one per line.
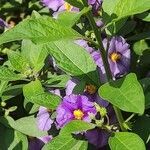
x=68, y=7
x=91, y=89
x=78, y=114
x=115, y=57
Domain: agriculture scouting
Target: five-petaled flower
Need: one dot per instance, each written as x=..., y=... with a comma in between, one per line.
x=74, y=107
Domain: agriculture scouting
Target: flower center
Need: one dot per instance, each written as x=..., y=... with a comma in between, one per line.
x=91, y=89
x=78, y=114
x=115, y=56
x=68, y=7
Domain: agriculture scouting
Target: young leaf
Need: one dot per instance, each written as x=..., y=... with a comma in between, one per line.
x=18, y=62
x=140, y=46
x=71, y=18
x=67, y=142
x=34, y=93
x=72, y=58
x=125, y=93
x=76, y=126
x=39, y=30
x=126, y=141
x=8, y=75
x=35, y=54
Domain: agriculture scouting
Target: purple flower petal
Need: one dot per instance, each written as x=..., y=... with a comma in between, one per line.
x=44, y=120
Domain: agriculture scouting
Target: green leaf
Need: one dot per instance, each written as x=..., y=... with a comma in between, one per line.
x=125, y=93
x=35, y=54
x=71, y=18
x=8, y=75
x=72, y=58
x=144, y=16
x=39, y=30
x=18, y=62
x=117, y=9
x=3, y=86
x=34, y=93
x=140, y=46
x=127, y=28
x=12, y=91
x=76, y=126
x=12, y=140
x=126, y=141
x=25, y=125
x=57, y=81
x=66, y=142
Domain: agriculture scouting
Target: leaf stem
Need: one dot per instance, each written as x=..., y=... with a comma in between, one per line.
x=104, y=59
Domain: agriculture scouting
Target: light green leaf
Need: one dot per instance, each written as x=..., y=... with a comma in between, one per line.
x=126, y=141
x=18, y=62
x=125, y=93
x=65, y=142
x=57, y=81
x=26, y=125
x=8, y=75
x=72, y=58
x=35, y=54
x=39, y=30
x=34, y=93
x=117, y=9
x=3, y=86
x=76, y=126
x=140, y=46
x=71, y=18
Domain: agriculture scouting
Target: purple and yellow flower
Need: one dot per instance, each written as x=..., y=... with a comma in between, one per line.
x=118, y=56
x=58, y=5
x=61, y=5
x=90, y=91
x=74, y=107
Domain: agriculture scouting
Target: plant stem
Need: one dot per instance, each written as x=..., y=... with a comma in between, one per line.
x=130, y=117
x=104, y=59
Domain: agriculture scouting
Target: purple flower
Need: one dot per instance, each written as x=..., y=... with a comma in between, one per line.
x=118, y=56
x=44, y=120
x=3, y=23
x=38, y=143
x=85, y=45
x=90, y=91
x=74, y=107
x=96, y=5
x=53, y=4
x=58, y=5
